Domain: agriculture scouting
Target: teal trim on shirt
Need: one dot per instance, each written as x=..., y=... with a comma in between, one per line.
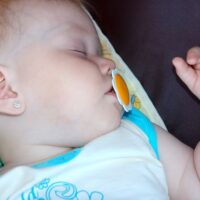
x=58, y=160
x=138, y=118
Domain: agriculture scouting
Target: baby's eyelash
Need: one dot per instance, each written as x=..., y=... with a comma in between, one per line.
x=79, y=51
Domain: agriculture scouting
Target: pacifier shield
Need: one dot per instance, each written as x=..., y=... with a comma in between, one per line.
x=121, y=90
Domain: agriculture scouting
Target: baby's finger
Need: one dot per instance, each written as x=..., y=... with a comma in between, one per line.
x=185, y=72
x=193, y=56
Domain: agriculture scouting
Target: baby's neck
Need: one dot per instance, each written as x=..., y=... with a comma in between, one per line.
x=30, y=154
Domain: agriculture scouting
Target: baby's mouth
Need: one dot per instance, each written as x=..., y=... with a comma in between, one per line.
x=111, y=92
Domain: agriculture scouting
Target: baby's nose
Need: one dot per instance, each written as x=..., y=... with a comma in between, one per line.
x=106, y=65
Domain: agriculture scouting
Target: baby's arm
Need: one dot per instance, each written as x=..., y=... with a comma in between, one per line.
x=182, y=166
x=189, y=70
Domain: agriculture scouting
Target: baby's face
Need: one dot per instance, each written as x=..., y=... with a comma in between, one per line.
x=65, y=82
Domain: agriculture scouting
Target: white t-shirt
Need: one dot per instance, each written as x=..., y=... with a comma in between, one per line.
x=119, y=165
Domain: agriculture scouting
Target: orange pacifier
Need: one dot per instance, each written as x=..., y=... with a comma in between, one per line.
x=121, y=90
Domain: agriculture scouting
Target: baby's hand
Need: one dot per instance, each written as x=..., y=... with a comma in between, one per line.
x=189, y=70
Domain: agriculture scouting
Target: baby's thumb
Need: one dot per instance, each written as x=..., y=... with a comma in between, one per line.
x=193, y=56
x=185, y=72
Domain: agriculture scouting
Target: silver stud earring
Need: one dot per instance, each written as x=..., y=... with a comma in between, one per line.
x=17, y=104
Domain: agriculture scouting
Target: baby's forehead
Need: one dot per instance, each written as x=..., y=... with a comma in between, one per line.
x=32, y=18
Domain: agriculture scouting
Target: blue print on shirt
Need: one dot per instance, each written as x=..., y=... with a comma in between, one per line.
x=45, y=190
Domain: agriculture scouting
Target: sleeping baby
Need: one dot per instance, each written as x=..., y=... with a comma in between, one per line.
x=63, y=132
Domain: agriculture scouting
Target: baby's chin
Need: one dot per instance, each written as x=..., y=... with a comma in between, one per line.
x=115, y=122
x=107, y=125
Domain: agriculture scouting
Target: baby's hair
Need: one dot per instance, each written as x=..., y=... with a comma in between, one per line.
x=4, y=6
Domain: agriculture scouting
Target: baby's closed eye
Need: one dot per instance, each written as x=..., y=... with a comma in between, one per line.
x=81, y=52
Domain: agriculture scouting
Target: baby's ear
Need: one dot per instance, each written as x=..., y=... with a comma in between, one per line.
x=11, y=102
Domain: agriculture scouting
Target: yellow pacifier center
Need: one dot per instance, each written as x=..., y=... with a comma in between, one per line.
x=122, y=89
